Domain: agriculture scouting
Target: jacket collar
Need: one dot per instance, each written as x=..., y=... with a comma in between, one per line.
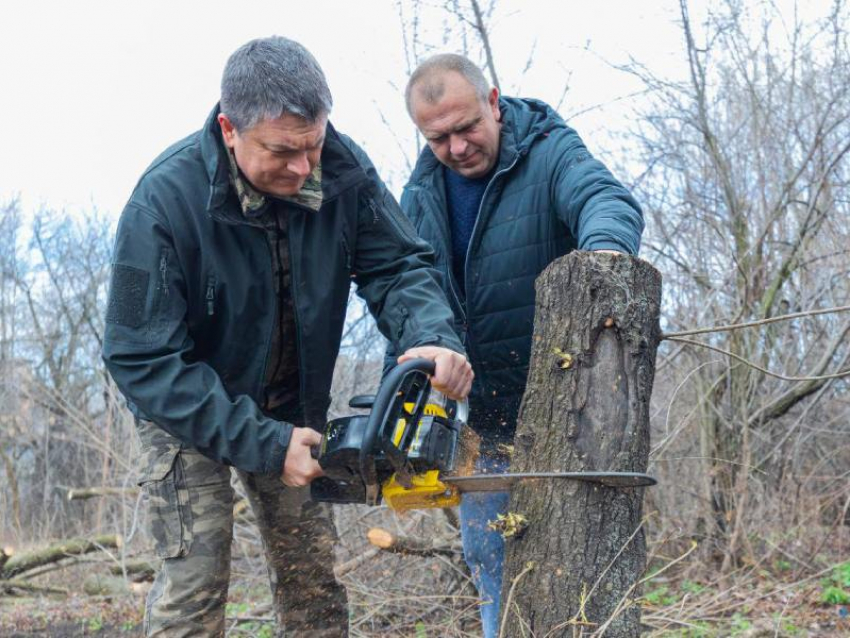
x=339, y=168
x=253, y=201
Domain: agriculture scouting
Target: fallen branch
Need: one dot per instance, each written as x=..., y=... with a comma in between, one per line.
x=353, y=563
x=7, y=586
x=135, y=570
x=22, y=563
x=410, y=545
x=5, y=555
x=85, y=493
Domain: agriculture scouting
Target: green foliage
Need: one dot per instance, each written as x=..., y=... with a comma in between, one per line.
x=690, y=587
x=258, y=629
x=832, y=595
x=740, y=624
x=787, y=627
x=782, y=565
x=235, y=609
x=95, y=624
x=835, y=587
x=841, y=574
x=660, y=597
x=699, y=629
x=420, y=630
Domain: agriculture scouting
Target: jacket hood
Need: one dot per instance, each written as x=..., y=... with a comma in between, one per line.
x=524, y=121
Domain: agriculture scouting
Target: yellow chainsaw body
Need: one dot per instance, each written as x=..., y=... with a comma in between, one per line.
x=427, y=490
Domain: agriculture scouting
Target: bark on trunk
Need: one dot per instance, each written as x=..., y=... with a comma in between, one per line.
x=573, y=570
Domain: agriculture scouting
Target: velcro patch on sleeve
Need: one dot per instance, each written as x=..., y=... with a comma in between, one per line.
x=128, y=296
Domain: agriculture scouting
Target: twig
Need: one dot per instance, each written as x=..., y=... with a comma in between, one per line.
x=353, y=563
x=241, y=619
x=617, y=555
x=750, y=324
x=84, y=493
x=528, y=567
x=837, y=375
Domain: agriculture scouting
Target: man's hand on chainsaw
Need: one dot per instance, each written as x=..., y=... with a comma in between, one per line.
x=453, y=375
x=299, y=466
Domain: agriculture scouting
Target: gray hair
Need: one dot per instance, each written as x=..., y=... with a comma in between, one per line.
x=427, y=78
x=271, y=77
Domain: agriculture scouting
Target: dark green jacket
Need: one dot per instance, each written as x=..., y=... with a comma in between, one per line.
x=549, y=196
x=192, y=302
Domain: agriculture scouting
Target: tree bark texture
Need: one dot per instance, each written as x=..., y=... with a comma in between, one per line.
x=585, y=408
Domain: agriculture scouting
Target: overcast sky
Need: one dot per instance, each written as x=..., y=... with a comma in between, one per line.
x=92, y=91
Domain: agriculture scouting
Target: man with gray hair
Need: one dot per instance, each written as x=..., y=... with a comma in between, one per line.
x=232, y=267
x=503, y=188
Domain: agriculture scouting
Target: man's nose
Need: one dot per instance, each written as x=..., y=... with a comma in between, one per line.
x=457, y=145
x=299, y=165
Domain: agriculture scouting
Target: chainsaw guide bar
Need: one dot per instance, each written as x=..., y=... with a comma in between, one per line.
x=503, y=482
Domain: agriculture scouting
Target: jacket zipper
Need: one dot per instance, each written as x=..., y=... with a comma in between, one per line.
x=261, y=383
x=444, y=227
x=163, y=272
x=478, y=217
x=347, y=254
x=210, y=296
x=293, y=285
x=448, y=240
x=280, y=305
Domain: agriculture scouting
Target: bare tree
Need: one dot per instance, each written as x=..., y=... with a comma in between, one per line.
x=746, y=189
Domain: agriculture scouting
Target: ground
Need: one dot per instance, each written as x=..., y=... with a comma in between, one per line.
x=767, y=610
x=774, y=600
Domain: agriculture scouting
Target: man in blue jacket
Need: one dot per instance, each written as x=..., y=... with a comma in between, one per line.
x=503, y=188
x=231, y=272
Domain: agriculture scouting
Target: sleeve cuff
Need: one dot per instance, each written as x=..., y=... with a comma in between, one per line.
x=606, y=244
x=438, y=341
x=274, y=460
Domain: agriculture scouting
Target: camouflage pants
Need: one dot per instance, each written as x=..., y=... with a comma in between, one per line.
x=191, y=520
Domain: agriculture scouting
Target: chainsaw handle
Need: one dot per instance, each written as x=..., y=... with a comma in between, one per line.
x=377, y=417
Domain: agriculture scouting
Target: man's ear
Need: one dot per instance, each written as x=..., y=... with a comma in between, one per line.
x=493, y=101
x=228, y=131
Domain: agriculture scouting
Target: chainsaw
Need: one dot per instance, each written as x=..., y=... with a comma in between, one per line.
x=415, y=450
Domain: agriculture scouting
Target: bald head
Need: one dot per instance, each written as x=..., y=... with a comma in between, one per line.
x=449, y=101
x=428, y=81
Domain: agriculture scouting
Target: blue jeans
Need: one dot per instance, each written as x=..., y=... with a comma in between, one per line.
x=483, y=548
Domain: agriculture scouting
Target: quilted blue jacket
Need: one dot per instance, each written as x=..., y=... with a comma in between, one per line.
x=549, y=196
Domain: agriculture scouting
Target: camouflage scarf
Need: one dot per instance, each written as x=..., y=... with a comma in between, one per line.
x=253, y=201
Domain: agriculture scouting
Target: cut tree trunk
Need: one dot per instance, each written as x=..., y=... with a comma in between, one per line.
x=574, y=569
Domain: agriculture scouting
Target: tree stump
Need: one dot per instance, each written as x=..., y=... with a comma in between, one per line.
x=573, y=570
